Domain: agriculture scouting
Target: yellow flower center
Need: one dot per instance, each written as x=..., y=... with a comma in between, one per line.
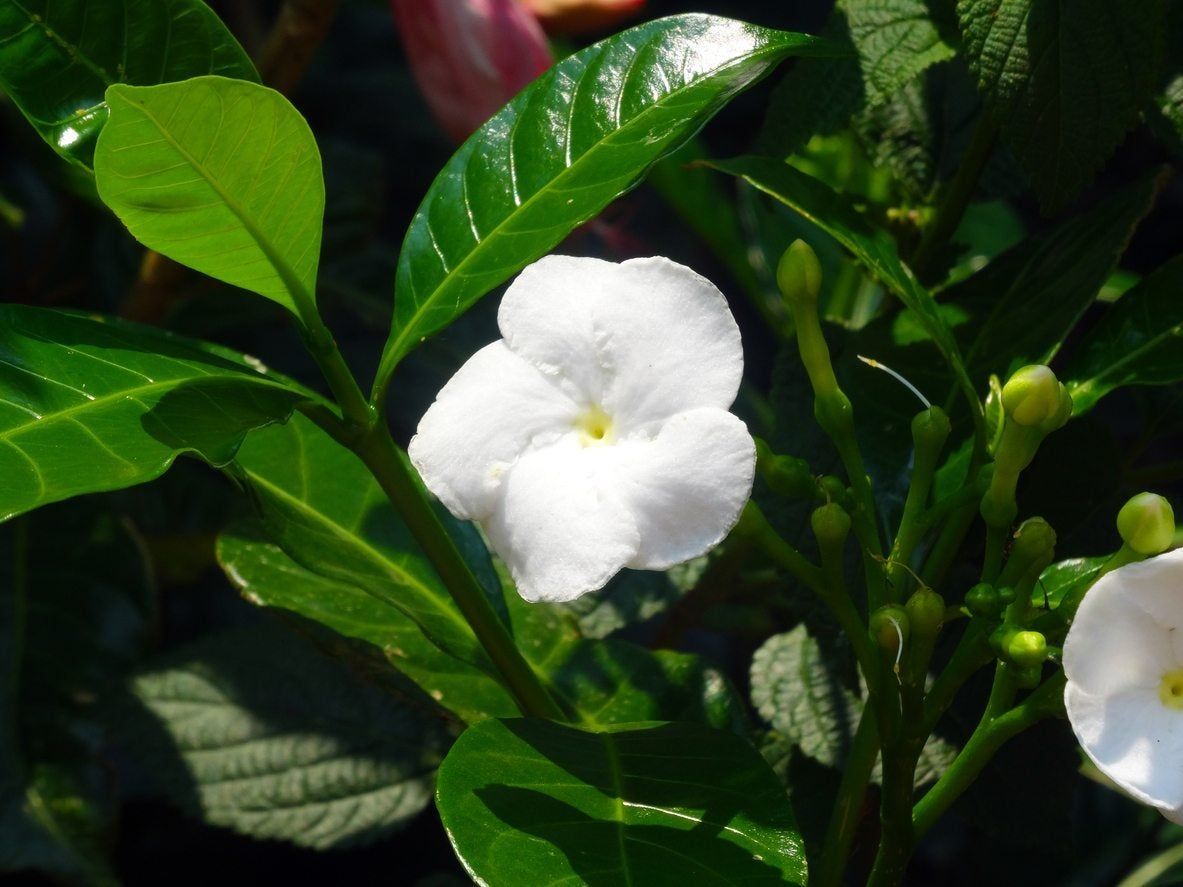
x=594, y=426
x=1170, y=691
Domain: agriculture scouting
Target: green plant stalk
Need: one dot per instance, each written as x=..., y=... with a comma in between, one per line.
x=971, y=653
x=897, y=839
x=913, y=521
x=989, y=736
x=844, y=819
x=381, y=455
x=1150, y=871
x=957, y=197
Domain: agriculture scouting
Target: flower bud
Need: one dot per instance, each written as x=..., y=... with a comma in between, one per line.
x=1026, y=649
x=1032, y=395
x=1001, y=636
x=785, y=475
x=1063, y=412
x=930, y=429
x=926, y=611
x=889, y=627
x=1147, y=524
x=1034, y=546
x=831, y=525
x=832, y=488
x=983, y=600
x=799, y=274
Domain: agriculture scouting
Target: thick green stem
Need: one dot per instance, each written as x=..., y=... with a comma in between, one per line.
x=972, y=652
x=956, y=198
x=397, y=479
x=930, y=429
x=989, y=736
x=895, y=816
x=844, y=819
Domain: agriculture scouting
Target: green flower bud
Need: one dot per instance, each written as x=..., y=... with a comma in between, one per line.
x=926, y=611
x=889, y=626
x=831, y=524
x=1034, y=547
x=1026, y=649
x=1063, y=412
x=930, y=429
x=1000, y=638
x=832, y=488
x=1147, y=524
x=1032, y=395
x=983, y=600
x=785, y=475
x=799, y=274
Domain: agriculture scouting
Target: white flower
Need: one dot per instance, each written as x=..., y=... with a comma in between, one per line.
x=595, y=435
x=1124, y=662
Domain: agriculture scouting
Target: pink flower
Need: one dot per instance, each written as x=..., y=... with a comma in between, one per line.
x=470, y=57
x=578, y=16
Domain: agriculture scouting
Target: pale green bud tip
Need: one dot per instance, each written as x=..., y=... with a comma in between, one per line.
x=831, y=523
x=1033, y=396
x=799, y=274
x=1034, y=538
x=926, y=610
x=1147, y=524
x=1026, y=649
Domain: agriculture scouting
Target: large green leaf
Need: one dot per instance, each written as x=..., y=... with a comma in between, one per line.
x=534, y=802
x=221, y=175
x=608, y=682
x=1135, y=343
x=90, y=404
x=57, y=58
x=831, y=212
x=582, y=134
x=1066, y=80
x=320, y=504
x=256, y=731
x=1024, y=303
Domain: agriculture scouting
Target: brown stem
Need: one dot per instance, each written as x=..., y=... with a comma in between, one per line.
x=299, y=30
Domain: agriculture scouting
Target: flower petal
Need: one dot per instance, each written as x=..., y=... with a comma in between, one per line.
x=644, y=339
x=1134, y=739
x=687, y=486
x=1156, y=586
x=561, y=526
x=493, y=410
x=1115, y=645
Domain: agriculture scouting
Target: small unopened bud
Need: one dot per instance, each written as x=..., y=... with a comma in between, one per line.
x=982, y=600
x=831, y=524
x=1147, y=524
x=889, y=628
x=832, y=488
x=785, y=475
x=1026, y=649
x=799, y=274
x=1034, y=545
x=926, y=611
x=1063, y=412
x=1032, y=395
x=1001, y=636
x=930, y=429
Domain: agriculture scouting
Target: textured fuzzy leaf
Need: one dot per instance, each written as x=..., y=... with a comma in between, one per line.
x=1136, y=343
x=256, y=731
x=89, y=404
x=1025, y=302
x=57, y=58
x=221, y=175
x=579, y=136
x=535, y=802
x=1066, y=80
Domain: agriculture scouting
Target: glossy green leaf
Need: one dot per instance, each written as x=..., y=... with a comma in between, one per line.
x=1065, y=80
x=1025, y=302
x=256, y=731
x=57, y=58
x=1135, y=343
x=534, y=802
x=1061, y=577
x=220, y=175
x=608, y=682
x=831, y=212
x=583, y=133
x=89, y=404
x=322, y=507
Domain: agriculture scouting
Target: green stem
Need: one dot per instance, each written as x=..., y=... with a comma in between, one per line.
x=957, y=197
x=897, y=839
x=948, y=543
x=755, y=525
x=397, y=479
x=992, y=561
x=972, y=652
x=1150, y=871
x=989, y=736
x=355, y=408
x=844, y=819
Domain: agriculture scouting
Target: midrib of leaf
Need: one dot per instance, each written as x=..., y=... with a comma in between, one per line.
x=1089, y=384
x=613, y=757
x=75, y=52
x=364, y=548
x=301, y=297
x=400, y=342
